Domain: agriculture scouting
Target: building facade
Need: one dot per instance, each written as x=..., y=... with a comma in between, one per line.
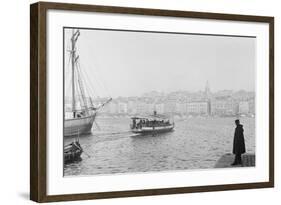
x=224, y=107
x=244, y=107
x=198, y=108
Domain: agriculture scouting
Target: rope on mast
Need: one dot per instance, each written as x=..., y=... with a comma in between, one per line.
x=82, y=89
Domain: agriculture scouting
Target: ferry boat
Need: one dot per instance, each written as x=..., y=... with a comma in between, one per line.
x=151, y=124
x=82, y=113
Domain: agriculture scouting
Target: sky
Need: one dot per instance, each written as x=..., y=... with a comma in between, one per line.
x=123, y=63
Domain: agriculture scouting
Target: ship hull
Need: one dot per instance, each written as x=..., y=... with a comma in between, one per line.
x=153, y=130
x=83, y=125
x=72, y=152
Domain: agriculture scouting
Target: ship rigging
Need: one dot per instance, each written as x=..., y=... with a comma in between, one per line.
x=82, y=114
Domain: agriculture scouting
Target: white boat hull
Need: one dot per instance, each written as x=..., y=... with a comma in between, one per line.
x=152, y=130
x=81, y=125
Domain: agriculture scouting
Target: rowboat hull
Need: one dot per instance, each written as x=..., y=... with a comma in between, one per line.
x=83, y=125
x=153, y=130
x=72, y=152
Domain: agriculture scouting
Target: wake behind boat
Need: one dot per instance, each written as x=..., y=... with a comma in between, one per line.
x=82, y=114
x=151, y=124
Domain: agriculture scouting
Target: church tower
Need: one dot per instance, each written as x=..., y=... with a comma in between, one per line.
x=207, y=90
x=208, y=96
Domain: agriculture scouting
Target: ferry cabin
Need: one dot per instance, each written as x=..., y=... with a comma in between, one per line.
x=151, y=124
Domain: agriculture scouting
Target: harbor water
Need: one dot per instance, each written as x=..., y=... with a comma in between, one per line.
x=195, y=143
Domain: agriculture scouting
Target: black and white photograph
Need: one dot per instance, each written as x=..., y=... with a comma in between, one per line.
x=146, y=101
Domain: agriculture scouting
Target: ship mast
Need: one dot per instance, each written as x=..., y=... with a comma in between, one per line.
x=74, y=38
x=76, y=74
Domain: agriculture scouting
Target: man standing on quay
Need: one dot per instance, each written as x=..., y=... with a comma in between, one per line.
x=238, y=143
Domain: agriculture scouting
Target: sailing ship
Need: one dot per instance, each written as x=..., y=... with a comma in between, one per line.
x=151, y=124
x=83, y=112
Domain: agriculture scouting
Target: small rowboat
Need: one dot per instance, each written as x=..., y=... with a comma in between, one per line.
x=72, y=152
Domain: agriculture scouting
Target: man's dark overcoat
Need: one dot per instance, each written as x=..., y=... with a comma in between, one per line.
x=239, y=142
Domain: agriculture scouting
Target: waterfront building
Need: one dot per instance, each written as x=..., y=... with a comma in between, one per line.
x=122, y=108
x=169, y=106
x=224, y=106
x=244, y=107
x=141, y=107
x=181, y=108
x=159, y=107
x=243, y=95
x=113, y=108
x=132, y=107
x=150, y=108
x=252, y=106
x=198, y=108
